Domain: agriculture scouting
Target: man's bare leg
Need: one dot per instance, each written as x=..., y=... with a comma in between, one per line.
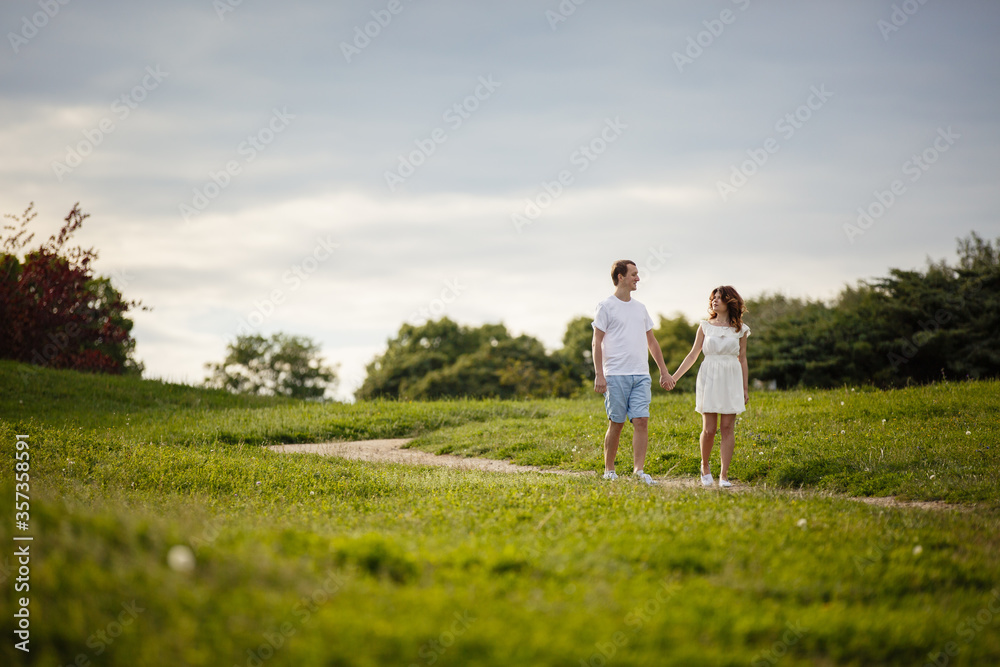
x=640, y=441
x=611, y=439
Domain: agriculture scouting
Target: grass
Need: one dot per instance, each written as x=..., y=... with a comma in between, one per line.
x=937, y=442
x=151, y=411
x=305, y=560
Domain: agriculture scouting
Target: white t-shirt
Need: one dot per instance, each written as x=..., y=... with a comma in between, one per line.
x=624, y=324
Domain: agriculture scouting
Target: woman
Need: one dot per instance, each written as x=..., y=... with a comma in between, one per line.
x=721, y=391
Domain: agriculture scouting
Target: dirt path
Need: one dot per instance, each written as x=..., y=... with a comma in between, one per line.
x=391, y=451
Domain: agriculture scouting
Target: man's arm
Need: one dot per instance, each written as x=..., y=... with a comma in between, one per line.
x=600, y=384
x=666, y=381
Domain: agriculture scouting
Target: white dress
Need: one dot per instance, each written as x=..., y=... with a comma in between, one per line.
x=720, y=379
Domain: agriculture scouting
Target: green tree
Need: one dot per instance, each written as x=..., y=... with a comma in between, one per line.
x=441, y=359
x=946, y=319
x=576, y=354
x=910, y=326
x=512, y=368
x=281, y=365
x=417, y=351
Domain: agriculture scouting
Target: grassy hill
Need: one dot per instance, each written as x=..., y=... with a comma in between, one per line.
x=164, y=534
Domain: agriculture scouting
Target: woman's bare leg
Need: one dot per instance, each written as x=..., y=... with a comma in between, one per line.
x=727, y=443
x=708, y=428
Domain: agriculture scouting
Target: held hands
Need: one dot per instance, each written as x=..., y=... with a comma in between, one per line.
x=667, y=381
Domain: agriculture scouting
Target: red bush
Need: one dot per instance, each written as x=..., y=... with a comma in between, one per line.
x=55, y=312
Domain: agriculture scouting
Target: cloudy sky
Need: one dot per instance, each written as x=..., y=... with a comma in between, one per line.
x=336, y=169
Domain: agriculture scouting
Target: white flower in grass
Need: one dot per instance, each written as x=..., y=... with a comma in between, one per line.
x=312, y=493
x=966, y=433
x=917, y=550
x=841, y=433
x=801, y=523
x=841, y=402
x=180, y=558
x=810, y=398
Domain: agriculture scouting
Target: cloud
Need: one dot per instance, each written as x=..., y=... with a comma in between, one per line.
x=654, y=189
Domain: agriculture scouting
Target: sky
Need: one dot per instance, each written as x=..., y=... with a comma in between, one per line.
x=334, y=170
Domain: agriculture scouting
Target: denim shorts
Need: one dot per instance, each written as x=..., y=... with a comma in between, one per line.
x=627, y=396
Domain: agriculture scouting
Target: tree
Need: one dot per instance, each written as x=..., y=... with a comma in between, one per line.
x=910, y=326
x=417, y=351
x=442, y=359
x=281, y=365
x=55, y=312
x=576, y=354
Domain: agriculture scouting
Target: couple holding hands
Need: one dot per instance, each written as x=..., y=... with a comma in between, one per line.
x=623, y=332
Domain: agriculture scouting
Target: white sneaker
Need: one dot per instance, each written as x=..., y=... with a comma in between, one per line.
x=724, y=483
x=610, y=474
x=643, y=477
x=706, y=480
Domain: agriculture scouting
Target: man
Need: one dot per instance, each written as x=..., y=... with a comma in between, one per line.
x=623, y=331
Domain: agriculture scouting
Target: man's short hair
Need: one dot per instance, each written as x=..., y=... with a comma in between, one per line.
x=619, y=269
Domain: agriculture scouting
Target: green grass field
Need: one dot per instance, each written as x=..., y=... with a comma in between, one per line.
x=306, y=560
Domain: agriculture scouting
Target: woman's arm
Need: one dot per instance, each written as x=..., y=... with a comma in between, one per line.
x=746, y=370
x=692, y=356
